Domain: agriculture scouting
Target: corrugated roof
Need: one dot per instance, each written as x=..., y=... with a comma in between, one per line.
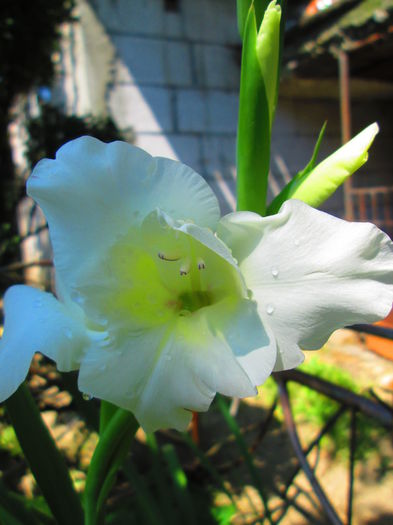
x=364, y=29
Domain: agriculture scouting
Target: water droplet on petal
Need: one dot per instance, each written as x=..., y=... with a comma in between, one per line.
x=250, y=295
x=87, y=397
x=270, y=309
x=38, y=303
x=68, y=333
x=275, y=272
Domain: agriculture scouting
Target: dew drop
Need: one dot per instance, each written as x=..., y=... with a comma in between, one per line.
x=68, y=333
x=38, y=303
x=275, y=272
x=250, y=295
x=87, y=397
x=270, y=309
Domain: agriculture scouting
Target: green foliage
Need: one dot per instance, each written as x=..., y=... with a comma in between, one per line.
x=29, y=34
x=9, y=441
x=253, y=135
x=224, y=514
x=52, y=129
x=164, y=494
x=315, y=184
x=309, y=405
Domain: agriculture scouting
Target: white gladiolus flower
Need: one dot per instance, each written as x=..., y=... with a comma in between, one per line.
x=161, y=304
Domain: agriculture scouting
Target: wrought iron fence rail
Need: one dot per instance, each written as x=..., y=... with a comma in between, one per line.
x=349, y=401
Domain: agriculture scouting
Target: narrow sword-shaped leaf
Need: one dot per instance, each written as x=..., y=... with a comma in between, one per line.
x=253, y=139
x=317, y=185
x=44, y=458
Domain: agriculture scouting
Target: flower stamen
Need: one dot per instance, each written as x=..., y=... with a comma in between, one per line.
x=164, y=257
x=201, y=264
x=185, y=268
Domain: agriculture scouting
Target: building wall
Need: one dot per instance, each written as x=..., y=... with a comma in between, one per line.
x=168, y=74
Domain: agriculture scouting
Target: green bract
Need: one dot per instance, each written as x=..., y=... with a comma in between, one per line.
x=160, y=303
x=257, y=103
x=315, y=184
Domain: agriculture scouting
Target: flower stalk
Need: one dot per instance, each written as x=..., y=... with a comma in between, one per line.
x=109, y=454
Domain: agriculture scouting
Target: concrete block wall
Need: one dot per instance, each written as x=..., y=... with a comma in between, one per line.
x=170, y=72
x=172, y=77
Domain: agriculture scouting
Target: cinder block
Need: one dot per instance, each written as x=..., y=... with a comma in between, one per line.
x=222, y=110
x=143, y=58
x=216, y=66
x=173, y=146
x=209, y=21
x=219, y=155
x=191, y=111
x=139, y=16
x=187, y=149
x=225, y=192
x=177, y=64
x=154, y=61
x=156, y=145
x=144, y=109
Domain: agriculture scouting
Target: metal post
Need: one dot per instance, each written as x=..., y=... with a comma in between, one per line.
x=345, y=112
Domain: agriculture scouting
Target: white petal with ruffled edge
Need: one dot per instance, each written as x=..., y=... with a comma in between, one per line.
x=311, y=273
x=162, y=374
x=94, y=192
x=36, y=321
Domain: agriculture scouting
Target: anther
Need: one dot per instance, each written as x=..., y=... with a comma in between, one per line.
x=201, y=264
x=166, y=258
x=185, y=268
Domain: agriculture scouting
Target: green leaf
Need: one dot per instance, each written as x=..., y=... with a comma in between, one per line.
x=243, y=6
x=107, y=411
x=268, y=53
x=179, y=484
x=8, y=518
x=110, y=452
x=44, y=458
x=317, y=185
x=164, y=493
x=223, y=515
x=144, y=498
x=253, y=139
x=209, y=467
x=22, y=509
x=240, y=441
x=311, y=164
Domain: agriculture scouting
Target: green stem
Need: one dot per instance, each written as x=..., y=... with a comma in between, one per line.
x=107, y=411
x=44, y=458
x=110, y=451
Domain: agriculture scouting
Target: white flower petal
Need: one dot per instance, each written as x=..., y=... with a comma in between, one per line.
x=36, y=321
x=248, y=338
x=93, y=192
x=311, y=273
x=162, y=374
